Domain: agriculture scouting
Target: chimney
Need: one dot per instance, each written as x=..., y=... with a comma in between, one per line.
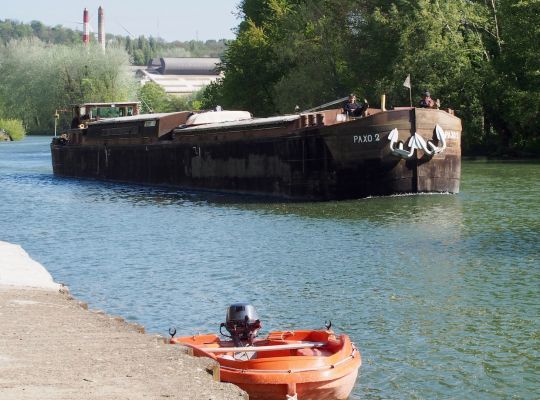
x=86, y=30
x=101, y=28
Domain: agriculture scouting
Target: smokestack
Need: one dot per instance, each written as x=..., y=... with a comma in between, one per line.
x=101, y=28
x=86, y=28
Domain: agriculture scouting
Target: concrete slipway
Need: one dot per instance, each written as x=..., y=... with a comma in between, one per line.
x=53, y=347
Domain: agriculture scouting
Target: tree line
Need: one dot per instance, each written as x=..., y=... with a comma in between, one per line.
x=44, y=70
x=480, y=57
x=38, y=78
x=140, y=50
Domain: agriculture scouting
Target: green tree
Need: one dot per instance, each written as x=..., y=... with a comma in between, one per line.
x=512, y=92
x=479, y=57
x=141, y=50
x=153, y=98
x=251, y=63
x=312, y=50
x=185, y=103
x=39, y=78
x=13, y=127
x=429, y=41
x=211, y=95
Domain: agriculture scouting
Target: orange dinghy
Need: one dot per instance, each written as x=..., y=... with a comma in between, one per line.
x=303, y=364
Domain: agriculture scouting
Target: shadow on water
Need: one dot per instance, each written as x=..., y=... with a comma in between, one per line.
x=391, y=209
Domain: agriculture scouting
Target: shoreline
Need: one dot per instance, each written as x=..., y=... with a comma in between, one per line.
x=524, y=160
x=53, y=347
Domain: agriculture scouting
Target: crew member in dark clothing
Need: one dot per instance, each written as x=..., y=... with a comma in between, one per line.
x=352, y=108
x=76, y=119
x=428, y=102
x=75, y=122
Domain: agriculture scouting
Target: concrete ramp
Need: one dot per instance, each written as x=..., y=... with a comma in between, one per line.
x=18, y=269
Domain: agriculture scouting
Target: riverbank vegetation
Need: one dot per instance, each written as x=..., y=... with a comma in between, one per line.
x=41, y=80
x=154, y=99
x=479, y=57
x=38, y=78
x=140, y=49
x=47, y=69
x=13, y=128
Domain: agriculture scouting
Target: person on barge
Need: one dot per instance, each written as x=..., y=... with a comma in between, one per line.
x=428, y=102
x=352, y=109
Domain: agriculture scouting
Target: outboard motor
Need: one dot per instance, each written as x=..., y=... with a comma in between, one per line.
x=242, y=323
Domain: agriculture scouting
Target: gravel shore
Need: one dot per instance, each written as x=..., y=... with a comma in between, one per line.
x=53, y=347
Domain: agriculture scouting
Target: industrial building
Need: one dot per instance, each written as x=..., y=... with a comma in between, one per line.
x=180, y=76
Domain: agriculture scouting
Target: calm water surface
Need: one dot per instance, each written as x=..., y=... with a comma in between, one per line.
x=440, y=292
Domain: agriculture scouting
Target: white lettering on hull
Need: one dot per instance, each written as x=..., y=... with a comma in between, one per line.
x=369, y=138
x=452, y=135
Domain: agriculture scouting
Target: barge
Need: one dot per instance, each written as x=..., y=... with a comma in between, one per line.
x=308, y=156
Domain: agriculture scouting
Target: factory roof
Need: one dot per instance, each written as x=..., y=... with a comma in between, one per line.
x=184, y=66
x=181, y=75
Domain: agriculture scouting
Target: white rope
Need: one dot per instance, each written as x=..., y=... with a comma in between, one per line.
x=325, y=105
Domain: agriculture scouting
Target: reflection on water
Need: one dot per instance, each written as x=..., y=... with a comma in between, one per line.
x=440, y=292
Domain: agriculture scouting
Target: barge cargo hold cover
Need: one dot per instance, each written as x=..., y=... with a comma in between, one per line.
x=314, y=156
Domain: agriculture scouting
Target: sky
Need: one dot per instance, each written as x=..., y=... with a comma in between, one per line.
x=169, y=19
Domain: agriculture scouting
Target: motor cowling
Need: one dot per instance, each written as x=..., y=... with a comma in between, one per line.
x=242, y=322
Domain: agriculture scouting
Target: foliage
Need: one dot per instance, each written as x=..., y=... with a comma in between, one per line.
x=141, y=50
x=428, y=41
x=38, y=78
x=13, y=30
x=317, y=52
x=251, y=63
x=211, y=95
x=154, y=99
x=185, y=103
x=479, y=57
x=13, y=127
x=512, y=93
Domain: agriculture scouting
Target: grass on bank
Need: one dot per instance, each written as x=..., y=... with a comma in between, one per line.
x=13, y=127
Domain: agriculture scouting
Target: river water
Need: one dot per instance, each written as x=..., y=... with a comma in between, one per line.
x=440, y=292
